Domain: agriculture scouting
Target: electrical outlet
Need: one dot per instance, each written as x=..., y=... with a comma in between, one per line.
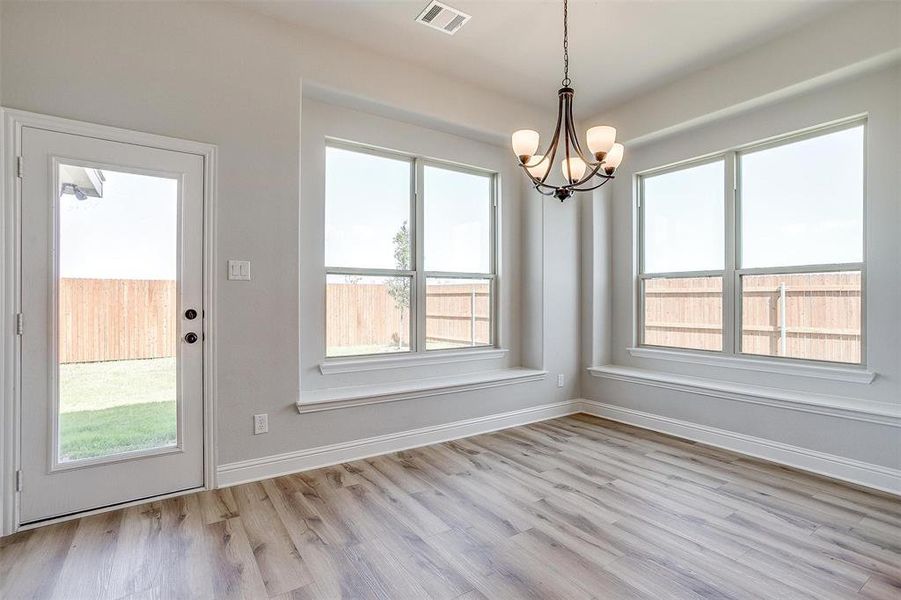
x=560, y=380
x=260, y=424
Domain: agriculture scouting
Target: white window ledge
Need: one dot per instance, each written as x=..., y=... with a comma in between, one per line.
x=361, y=395
x=800, y=369
x=857, y=409
x=377, y=363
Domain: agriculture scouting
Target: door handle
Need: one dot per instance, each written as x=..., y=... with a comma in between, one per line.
x=190, y=337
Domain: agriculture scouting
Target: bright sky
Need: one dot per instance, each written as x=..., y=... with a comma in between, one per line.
x=130, y=233
x=368, y=200
x=801, y=204
x=457, y=221
x=683, y=220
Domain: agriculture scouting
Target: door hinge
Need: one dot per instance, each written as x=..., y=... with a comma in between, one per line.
x=19, y=481
x=19, y=167
x=20, y=323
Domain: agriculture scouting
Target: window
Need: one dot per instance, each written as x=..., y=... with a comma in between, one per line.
x=769, y=265
x=409, y=252
x=682, y=280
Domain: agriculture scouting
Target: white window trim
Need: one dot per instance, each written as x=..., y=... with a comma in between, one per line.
x=763, y=363
x=363, y=395
x=379, y=362
x=846, y=407
x=418, y=354
x=731, y=354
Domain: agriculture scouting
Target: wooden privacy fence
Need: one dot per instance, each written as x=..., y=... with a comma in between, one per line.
x=806, y=315
x=459, y=314
x=360, y=314
x=116, y=319
x=816, y=316
x=123, y=319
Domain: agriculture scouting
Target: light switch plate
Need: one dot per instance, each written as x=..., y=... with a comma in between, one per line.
x=239, y=270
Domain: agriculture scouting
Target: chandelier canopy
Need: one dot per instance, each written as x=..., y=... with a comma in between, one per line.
x=581, y=172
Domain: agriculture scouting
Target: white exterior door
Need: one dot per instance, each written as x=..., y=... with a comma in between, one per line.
x=112, y=323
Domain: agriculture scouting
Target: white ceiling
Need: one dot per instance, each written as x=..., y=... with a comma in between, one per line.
x=618, y=49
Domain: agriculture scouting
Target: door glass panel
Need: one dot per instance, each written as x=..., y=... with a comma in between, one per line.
x=118, y=320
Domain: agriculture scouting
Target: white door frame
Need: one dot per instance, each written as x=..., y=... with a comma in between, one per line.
x=10, y=290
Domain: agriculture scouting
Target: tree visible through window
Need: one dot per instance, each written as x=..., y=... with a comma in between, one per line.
x=397, y=289
x=381, y=271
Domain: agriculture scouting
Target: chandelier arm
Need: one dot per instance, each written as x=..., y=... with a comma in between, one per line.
x=555, y=141
x=594, y=171
x=535, y=181
x=529, y=175
x=591, y=174
x=541, y=187
x=538, y=184
x=605, y=179
x=571, y=132
x=550, y=156
x=551, y=188
x=569, y=169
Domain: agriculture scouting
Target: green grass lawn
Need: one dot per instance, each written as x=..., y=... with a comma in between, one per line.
x=117, y=406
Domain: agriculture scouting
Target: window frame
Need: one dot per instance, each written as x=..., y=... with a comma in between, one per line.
x=416, y=272
x=643, y=276
x=732, y=272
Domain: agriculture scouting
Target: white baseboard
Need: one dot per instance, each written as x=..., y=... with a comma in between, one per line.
x=830, y=465
x=323, y=456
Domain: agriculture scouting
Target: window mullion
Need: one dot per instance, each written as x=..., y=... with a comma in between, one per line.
x=419, y=314
x=731, y=302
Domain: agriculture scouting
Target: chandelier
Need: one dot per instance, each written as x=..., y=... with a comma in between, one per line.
x=581, y=172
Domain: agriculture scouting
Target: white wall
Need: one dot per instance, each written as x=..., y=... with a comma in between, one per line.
x=321, y=121
x=873, y=93
x=864, y=35
x=217, y=74
x=521, y=336
x=221, y=75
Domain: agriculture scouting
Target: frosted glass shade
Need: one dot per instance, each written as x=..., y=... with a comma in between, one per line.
x=576, y=168
x=600, y=139
x=525, y=143
x=538, y=166
x=614, y=157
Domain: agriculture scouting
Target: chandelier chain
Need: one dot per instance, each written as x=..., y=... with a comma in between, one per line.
x=566, y=80
x=582, y=172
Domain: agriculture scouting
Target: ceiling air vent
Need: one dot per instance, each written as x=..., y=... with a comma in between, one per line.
x=442, y=17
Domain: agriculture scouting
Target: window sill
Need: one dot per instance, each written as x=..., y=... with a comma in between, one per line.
x=834, y=373
x=377, y=363
x=335, y=398
x=857, y=409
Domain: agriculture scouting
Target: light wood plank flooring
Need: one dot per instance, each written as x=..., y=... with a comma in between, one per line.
x=573, y=508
